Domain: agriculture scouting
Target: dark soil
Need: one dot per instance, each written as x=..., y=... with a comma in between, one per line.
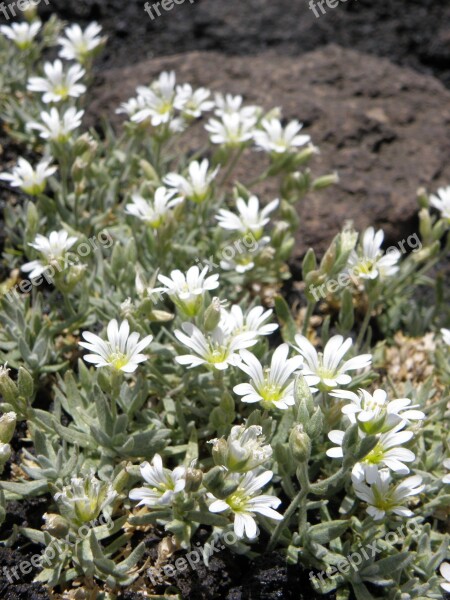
x=414, y=33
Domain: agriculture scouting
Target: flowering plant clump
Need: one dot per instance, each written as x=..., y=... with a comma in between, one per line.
x=163, y=385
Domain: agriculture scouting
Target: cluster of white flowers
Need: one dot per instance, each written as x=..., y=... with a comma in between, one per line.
x=387, y=420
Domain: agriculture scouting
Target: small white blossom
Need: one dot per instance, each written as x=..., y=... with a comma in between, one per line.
x=157, y=100
x=244, y=261
x=370, y=262
x=161, y=485
x=445, y=572
x=232, y=130
x=229, y=105
x=31, y=180
x=78, y=44
x=58, y=84
x=249, y=218
x=192, y=103
x=85, y=498
x=273, y=387
x=274, y=138
x=387, y=453
x=243, y=450
x=373, y=413
x=328, y=370
x=441, y=201
x=121, y=351
x=56, y=127
x=131, y=106
x=215, y=349
x=187, y=290
x=53, y=249
x=245, y=502
x=153, y=212
x=22, y=34
x=196, y=184
x=235, y=321
x=382, y=497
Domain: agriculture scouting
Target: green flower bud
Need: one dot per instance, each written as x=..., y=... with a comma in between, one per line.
x=326, y=181
x=212, y=315
x=7, y=427
x=56, y=525
x=300, y=444
x=5, y=454
x=193, y=480
x=216, y=482
x=8, y=388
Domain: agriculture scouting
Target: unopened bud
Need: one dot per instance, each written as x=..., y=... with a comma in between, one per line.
x=212, y=315
x=5, y=453
x=300, y=444
x=326, y=181
x=8, y=388
x=56, y=525
x=193, y=479
x=7, y=427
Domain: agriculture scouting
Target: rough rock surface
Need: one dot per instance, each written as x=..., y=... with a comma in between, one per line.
x=413, y=33
x=382, y=127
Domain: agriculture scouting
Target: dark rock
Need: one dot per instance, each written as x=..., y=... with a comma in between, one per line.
x=382, y=127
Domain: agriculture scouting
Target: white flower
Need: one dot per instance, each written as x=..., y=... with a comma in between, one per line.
x=271, y=387
x=243, y=450
x=373, y=413
x=232, y=130
x=53, y=249
x=446, y=335
x=445, y=572
x=192, y=103
x=121, y=351
x=85, y=498
x=31, y=180
x=131, y=106
x=229, y=104
x=371, y=263
x=382, y=497
x=441, y=201
x=244, y=260
x=387, y=453
x=250, y=218
x=328, y=371
x=58, y=84
x=163, y=484
x=157, y=100
x=446, y=463
x=216, y=349
x=196, y=185
x=254, y=320
x=79, y=44
x=22, y=34
x=153, y=212
x=187, y=290
x=56, y=127
x=244, y=503
x=275, y=139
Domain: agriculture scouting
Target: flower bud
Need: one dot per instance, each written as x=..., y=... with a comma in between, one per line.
x=7, y=427
x=193, y=480
x=212, y=315
x=8, y=388
x=5, y=453
x=326, y=181
x=56, y=525
x=300, y=444
x=215, y=482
